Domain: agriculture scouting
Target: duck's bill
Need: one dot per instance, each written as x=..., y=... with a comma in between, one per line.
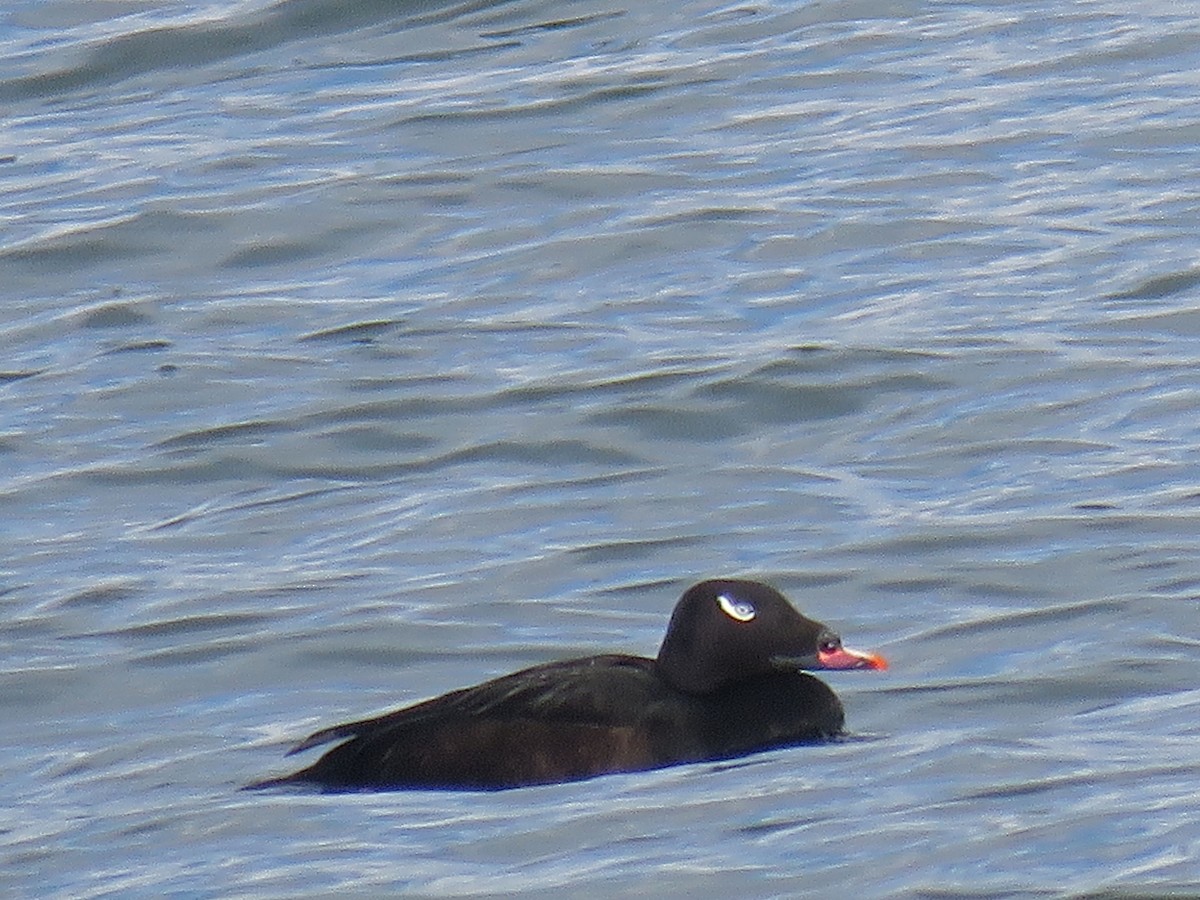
x=845, y=658
x=841, y=658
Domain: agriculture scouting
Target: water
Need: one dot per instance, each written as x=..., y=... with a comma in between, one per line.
x=355, y=352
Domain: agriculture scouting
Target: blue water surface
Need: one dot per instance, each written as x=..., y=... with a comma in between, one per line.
x=353, y=352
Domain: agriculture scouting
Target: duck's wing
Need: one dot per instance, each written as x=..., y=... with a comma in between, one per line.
x=607, y=690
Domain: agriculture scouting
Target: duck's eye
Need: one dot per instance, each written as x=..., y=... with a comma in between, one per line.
x=830, y=644
x=738, y=610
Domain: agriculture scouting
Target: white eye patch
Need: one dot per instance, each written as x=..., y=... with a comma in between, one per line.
x=738, y=610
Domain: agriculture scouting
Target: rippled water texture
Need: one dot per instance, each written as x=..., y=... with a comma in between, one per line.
x=351, y=352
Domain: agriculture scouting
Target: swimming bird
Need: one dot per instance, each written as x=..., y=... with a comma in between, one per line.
x=728, y=680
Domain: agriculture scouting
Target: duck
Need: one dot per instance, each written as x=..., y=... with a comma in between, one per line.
x=731, y=678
